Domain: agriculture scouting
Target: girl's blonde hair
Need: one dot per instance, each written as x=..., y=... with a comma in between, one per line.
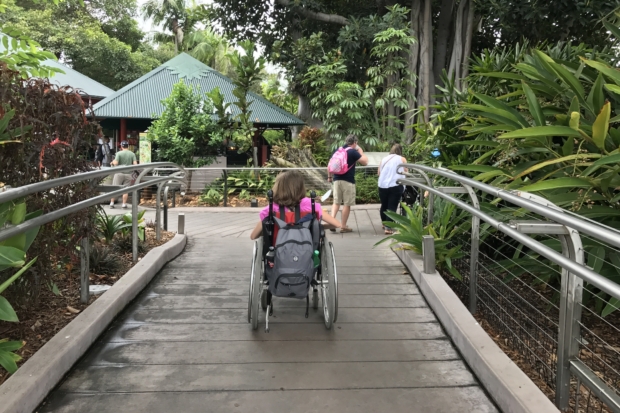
x=397, y=149
x=289, y=189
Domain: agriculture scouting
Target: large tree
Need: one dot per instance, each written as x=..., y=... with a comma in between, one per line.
x=73, y=34
x=447, y=32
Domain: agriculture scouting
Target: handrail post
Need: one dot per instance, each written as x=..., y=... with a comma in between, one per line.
x=571, y=292
x=134, y=225
x=181, y=223
x=474, y=252
x=225, y=188
x=166, y=206
x=85, y=270
x=158, y=213
x=428, y=254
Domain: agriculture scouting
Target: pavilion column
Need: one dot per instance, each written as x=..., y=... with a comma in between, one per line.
x=123, y=130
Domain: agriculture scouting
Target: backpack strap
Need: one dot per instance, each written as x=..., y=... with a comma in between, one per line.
x=297, y=213
x=282, y=213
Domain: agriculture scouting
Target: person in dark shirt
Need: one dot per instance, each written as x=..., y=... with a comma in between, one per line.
x=344, y=185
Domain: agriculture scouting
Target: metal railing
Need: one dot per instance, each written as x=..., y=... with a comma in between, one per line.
x=177, y=176
x=245, y=183
x=497, y=285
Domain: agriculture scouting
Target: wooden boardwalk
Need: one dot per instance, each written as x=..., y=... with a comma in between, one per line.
x=185, y=345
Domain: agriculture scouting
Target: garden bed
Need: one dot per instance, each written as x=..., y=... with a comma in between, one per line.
x=59, y=305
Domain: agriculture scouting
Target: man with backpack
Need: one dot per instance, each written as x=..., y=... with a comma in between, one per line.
x=341, y=170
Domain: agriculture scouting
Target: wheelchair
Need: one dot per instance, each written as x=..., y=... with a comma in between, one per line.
x=410, y=197
x=324, y=286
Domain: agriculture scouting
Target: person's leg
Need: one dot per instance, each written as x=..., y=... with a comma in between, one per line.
x=394, y=196
x=337, y=194
x=383, y=196
x=126, y=182
x=116, y=181
x=348, y=198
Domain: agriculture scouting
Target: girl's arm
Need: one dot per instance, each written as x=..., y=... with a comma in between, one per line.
x=331, y=220
x=258, y=230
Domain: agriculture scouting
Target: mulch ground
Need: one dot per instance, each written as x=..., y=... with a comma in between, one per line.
x=601, y=353
x=194, y=200
x=38, y=324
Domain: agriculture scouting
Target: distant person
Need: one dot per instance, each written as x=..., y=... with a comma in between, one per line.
x=390, y=192
x=106, y=151
x=344, y=184
x=123, y=158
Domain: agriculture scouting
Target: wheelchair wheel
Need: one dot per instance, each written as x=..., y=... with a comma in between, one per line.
x=255, y=284
x=329, y=287
x=263, y=300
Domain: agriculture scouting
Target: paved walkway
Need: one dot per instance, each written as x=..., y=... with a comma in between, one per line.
x=185, y=344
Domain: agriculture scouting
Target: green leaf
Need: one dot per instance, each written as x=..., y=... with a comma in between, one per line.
x=606, y=160
x=6, y=345
x=612, y=88
x=597, y=97
x=612, y=305
x=558, y=160
x=474, y=168
x=537, y=131
x=6, y=311
x=8, y=362
x=601, y=126
x=491, y=144
x=534, y=106
x=569, y=146
x=15, y=276
x=19, y=213
x=556, y=184
x=11, y=257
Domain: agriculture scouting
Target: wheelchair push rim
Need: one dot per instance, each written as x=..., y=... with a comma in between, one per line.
x=329, y=285
x=255, y=284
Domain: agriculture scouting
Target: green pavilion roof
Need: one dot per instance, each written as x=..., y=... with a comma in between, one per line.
x=142, y=98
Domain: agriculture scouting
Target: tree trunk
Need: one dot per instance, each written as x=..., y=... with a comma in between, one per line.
x=414, y=53
x=443, y=34
x=304, y=112
x=469, y=34
x=426, y=39
x=457, y=49
x=175, y=28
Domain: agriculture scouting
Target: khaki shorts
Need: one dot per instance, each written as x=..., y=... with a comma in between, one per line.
x=344, y=193
x=122, y=180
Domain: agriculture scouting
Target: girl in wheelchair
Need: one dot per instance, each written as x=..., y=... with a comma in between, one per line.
x=289, y=191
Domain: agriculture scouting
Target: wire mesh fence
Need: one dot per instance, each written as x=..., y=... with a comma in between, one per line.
x=518, y=303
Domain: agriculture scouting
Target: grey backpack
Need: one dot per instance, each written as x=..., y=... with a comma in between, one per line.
x=293, y=266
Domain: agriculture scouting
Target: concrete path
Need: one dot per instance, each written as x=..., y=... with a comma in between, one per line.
x=185, y=344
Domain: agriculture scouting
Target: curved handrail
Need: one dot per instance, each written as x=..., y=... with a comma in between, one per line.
x=22, y=191
x=593, y=229
x=585, y=273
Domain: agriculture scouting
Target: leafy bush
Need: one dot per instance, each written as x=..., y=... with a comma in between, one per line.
x=103, y=260
x=410, y=230
x=366, y=188
x=108, y=225
x=212, y=197
x=123, y=244
x=185, y=129
x=52, y=136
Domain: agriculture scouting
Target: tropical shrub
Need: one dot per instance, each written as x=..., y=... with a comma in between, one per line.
x=108, y=226
x=410, y=230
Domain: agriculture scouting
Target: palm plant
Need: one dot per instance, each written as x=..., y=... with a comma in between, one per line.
x=108, y=225
x=173, y=14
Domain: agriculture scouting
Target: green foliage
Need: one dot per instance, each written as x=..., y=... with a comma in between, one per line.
x=128, y=219
x=369, y=108
x=273, y=90
x=185, y=129
x=410, y=230
x=212, y=197
x=84, y=35
x=366, y=187
x=314, y=139
x=13, y=255
x=108, y=226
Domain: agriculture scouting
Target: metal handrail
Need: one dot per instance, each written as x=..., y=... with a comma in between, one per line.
x=587, y=274
x=22, y=191
x=599, y=231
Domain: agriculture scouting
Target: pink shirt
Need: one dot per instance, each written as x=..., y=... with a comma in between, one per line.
x=305, y=206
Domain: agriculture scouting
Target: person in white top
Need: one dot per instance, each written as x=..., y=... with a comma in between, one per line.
x=390, y=192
